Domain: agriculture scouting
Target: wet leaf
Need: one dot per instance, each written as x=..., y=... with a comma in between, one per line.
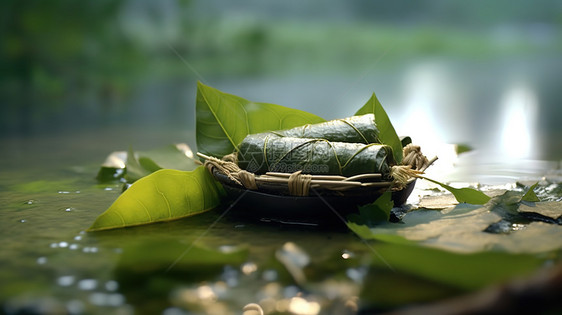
x=465, y=228
x=463, y=271
x=374, y=213
x=162, y=196
x=387, y=133
x=467, y=195
x=134, y=165
x=223, y=120
x=530, y=195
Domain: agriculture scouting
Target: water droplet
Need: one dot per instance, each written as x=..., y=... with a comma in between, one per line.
x=269, y=275
x=290, y=291
x=42, y=260
x=298, y=305
x=173, y=311
x=249, y=268
x=75, y=307
x=227, y=249
x=104, y=299
x=111, y=285
x=65, y=281
x=356, y=274
x=87, y=284
x=98, y=299
x=347, y=254
x=230, y=276
x=90, y=249
x=205, y=292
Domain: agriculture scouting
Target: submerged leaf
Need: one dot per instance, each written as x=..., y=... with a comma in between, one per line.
x=374, y=213
x=387, y=133
x=162, y=196
x=467, y=195
x=223, y=120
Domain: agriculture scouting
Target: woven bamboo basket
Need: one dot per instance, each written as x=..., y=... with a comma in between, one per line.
x=311, y=199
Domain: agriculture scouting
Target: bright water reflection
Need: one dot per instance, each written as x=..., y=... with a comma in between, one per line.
x=519, y=106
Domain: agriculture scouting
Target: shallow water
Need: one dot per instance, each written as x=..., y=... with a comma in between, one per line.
x=49, y=264
x=49, y=196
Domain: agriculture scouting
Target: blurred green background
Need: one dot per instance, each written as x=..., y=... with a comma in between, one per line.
x=478, y=72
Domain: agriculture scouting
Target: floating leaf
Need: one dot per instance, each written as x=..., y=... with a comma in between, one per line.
x=462, y=148
x=387, y=133
x=134, y=169
x=463, y=271
x=468, y=195
x=375, y=212
x=162, y=196
x=223, y=120
x=141, y=163
x=530, y=195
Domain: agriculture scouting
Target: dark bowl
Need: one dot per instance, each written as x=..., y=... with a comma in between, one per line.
x=319, y=208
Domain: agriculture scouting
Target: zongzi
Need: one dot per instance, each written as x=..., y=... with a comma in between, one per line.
x=267, y=152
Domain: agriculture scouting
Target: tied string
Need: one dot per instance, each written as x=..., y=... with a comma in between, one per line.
x=413, y=165
x=414, y=157
x=298, y=184
x=229, y=167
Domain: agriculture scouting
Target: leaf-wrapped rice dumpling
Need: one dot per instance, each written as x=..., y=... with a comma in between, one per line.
x=266, y=152
x=356, y=129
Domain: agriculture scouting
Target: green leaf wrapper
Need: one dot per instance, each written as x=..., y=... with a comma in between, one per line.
x=356, y=129
x=261, y=153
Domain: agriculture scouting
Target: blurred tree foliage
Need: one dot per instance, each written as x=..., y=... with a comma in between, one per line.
x=68, y=62
x=59, y=53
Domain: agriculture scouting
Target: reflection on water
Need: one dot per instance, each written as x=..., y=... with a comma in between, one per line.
x=519, y=113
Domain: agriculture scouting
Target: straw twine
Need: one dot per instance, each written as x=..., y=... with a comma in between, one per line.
x=413, y=164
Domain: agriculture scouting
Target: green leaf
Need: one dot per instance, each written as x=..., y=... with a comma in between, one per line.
x=405, y=140
x=530, y=195
x=162, y=196
x=387, y=133
x=466, y=194
x=462, y=148
x=141, y=163
x=135, y=170
x=223, y=120
x=375, y=212
x=463, y=271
